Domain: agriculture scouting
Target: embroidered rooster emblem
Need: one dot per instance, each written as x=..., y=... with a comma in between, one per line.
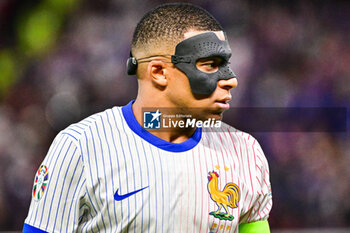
x=228, y=197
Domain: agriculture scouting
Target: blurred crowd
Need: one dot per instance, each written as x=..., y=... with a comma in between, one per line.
x=285, y=55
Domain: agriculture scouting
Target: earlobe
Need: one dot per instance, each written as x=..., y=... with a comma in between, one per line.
x=158, y=73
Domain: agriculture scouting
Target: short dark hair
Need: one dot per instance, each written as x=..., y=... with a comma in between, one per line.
x=169, y=22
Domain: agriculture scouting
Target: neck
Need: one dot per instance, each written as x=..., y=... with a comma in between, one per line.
x=174, y=135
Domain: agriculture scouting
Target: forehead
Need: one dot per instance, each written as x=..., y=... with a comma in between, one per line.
x=191, y=33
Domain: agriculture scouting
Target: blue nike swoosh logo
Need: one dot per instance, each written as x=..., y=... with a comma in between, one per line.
x=118, y=197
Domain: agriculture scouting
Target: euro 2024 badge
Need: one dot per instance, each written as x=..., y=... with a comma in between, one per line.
x=40, y=182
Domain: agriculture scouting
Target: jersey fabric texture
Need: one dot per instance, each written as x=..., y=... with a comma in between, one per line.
x=107, y=174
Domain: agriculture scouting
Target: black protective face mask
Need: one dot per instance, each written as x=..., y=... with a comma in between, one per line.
x=188, y=52
x=205, y=45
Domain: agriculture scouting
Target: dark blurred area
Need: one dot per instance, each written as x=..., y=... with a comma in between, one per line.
x=62, y=60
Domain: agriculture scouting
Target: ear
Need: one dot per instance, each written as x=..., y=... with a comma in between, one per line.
x=157, y=71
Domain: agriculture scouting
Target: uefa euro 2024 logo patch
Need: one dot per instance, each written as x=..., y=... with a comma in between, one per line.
x=40, y=182
x=151, y=120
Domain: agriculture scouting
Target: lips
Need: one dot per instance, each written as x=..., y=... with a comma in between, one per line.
x=223, y=103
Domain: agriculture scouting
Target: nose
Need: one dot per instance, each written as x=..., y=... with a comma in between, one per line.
x=228, y=83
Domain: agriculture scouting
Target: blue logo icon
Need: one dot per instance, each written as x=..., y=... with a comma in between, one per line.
x=119, y=197
x=151, y=120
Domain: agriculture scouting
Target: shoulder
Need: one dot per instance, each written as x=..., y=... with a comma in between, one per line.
x=251, y=145
x=111, y=118
x=227, y=131
x=250, y=150
x=240, y=142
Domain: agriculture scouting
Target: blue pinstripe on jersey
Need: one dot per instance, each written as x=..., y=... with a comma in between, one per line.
x=161, y=175
x=82, y=123
x=69, y=186
x=149, y=196
x=97, y=171
x=86, y=223
x=59, y=172
x=49, y=153
x=77, y=126
x=82, y=207
x=70, y=208
x=92, y=204
x=168, y=188
x=48, y=187
x=94, y=209
x=132, y=165
x=138, y=156
x=104, y=173
x=64, y=179
x=92, y=183
x=115, y=148
x=173, y=212
x=126, y=169
x=74, y=131
x=75, y=208
x=133, y=168
x=110, y=164
x=70, y=135
x=155, y=187
x=142, y=193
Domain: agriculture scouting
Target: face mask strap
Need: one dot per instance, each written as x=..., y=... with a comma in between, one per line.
x=132, y=62
x=164, y=55
x=180, y=59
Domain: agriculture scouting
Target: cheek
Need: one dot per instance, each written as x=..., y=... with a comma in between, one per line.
x=179, y=85
x=180, y=93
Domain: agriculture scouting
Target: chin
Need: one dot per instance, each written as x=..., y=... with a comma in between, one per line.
x=216, y=116
x=207, y=113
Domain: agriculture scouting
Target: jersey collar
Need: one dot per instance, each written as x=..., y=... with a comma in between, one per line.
x=158, y=142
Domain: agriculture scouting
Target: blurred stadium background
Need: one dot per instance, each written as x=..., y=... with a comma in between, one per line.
x=62, y=60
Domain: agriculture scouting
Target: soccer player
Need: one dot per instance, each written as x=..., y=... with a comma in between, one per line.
x=131, y=170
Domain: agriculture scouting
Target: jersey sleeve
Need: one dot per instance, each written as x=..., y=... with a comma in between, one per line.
x=58, y=190
x=262, y=201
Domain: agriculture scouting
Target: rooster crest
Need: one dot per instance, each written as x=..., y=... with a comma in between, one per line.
x=228, y=197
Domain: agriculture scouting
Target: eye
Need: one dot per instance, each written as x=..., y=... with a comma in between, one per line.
x=210, y=64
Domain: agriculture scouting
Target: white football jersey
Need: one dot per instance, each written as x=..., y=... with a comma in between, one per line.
x=107, y=174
